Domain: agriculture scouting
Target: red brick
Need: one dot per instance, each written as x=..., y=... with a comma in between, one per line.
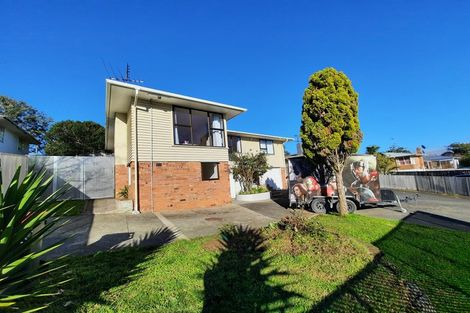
x=179, y=186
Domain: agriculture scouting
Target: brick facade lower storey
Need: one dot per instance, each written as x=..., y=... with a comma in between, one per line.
x=169, y=186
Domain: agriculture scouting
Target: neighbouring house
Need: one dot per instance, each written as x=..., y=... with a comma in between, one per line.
x=14, y=139
x=407, y=161
x=445, y=160
x=170, y=150
x=242, y=142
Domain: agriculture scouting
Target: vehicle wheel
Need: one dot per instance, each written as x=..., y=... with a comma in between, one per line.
x=318, y=205
x=351, y=205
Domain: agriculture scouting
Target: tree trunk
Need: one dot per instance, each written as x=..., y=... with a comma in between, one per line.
x=342, y=206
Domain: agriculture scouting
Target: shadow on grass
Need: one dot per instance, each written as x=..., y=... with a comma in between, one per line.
x=420, y=269
x=92, y=275
x=240, y=279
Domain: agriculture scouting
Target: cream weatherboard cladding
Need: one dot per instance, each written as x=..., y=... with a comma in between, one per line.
x=121, y=132
x=274, y=160
x=155, y=137
x=130, y=137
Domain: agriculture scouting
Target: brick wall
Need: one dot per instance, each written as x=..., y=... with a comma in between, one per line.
x=168, y=186
x=121, y=178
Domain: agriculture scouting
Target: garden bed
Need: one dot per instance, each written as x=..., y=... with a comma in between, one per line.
x=254, y=197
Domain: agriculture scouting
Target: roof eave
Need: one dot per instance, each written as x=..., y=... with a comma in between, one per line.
x=145, y=93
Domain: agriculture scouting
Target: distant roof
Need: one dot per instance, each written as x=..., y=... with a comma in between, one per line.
x=399, y=154
x=20, y=132
x=255, y=135
x=438, y=158
x=301, y=155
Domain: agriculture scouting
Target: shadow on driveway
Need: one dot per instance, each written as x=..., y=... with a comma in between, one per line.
x=88, y=233
x=429, y=219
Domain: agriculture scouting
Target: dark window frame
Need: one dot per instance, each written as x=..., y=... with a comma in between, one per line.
x=224, y=143
x=216, y=129
x=266, y=150
x=240, y=138
x=202, y=171
x=2, y=134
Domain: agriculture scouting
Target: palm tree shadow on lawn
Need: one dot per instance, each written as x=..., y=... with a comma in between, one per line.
x=92, y=275
x=240, y=279
x=419, y=269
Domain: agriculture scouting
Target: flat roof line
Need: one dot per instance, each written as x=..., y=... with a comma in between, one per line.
x=259, y=135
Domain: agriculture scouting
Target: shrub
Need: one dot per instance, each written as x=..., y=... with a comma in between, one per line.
x=26, y=217
x=254, y=190
x=302, y=232
x=124, y=192
x=248, y=168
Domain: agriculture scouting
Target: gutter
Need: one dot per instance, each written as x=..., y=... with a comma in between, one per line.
x=136, y=156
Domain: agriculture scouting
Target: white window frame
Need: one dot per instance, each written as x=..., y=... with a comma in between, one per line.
x=264, y=145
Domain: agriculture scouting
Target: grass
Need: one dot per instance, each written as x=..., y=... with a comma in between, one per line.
x=432, y=260
x=325, y=264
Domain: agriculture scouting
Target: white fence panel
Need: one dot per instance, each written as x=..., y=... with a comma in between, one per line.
x=85, y=177
x=98, y=177
x=8, y=164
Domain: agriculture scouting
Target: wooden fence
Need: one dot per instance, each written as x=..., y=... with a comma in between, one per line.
x=439, y=184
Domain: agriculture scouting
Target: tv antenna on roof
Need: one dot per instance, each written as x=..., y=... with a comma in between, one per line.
x=127, y=78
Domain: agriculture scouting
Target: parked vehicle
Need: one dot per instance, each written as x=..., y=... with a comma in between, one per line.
x=360, y=178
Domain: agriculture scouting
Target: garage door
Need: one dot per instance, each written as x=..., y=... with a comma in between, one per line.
x=272, y=178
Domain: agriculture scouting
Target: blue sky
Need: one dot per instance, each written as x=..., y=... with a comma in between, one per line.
x=408, y=60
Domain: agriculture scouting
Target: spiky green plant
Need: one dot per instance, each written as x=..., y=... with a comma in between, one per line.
x=26, y=217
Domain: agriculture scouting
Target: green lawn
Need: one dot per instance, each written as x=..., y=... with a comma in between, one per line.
x=329, y=264
x=433, y=264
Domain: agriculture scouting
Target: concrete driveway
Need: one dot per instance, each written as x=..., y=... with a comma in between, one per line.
x=428, y=209
x=89, y=233
x=98, y=232
x=203, y=222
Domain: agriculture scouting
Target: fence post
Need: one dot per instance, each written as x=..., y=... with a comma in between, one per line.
x=54, y=173
x=82, y=177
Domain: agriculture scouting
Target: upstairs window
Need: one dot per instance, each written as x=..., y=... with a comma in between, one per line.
x=234, y=144
x=2, y=134
x=266, y=146
x=217, y=129
x=199, y=128
x=404, y=161
x=22, y=145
